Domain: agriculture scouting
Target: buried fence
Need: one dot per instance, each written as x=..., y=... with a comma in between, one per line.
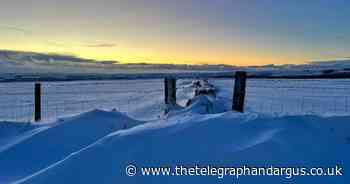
x=145, y=98
x=18, y=101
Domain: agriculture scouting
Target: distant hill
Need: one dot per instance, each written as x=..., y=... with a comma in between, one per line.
x=19, y=65
x=32, y=62
x=28, y=58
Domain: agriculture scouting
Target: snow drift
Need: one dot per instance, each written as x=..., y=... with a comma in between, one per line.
x=225, y=139
x=39, y=147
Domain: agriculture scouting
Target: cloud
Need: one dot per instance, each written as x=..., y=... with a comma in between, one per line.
x=101, y=45
x=341, y=37
x=56, y=44
x=14, y=28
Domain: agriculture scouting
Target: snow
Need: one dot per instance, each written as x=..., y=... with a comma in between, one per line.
x=222, y=139
x=267, y=96
x=280, y=97
x=96, y=146
x=14, y=131
x=61, y=99
x=23, y=156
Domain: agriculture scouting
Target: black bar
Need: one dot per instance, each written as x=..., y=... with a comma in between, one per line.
x=37, y=102
x=239, y=91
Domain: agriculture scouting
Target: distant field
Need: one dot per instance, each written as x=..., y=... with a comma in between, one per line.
x=144, y=99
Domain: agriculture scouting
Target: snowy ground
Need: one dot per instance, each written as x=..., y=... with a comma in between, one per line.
x=294, y=97
x=95, y=147
x=69, y=98
x=278, y=97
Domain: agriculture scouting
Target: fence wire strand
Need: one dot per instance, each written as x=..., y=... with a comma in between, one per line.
x=299, y=97
x=61, y=99
x=146, y=97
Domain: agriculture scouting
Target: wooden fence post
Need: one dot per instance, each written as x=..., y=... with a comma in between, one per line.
x=170, y=91
x=37, y=102
x=239, y=91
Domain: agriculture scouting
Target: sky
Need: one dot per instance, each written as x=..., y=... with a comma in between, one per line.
x=233, y=32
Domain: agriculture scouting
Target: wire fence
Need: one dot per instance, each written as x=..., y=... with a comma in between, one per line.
x=299, y=96
x=16, y=101
x=144, y=99
x=61, y=99
x=292, y=96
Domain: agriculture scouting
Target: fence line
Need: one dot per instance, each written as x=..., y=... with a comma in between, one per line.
x=280, y=96
x=293, y=97
x=66, y=98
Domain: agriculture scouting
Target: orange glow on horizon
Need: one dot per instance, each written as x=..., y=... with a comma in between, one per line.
x=175, y=56
x=236, y=33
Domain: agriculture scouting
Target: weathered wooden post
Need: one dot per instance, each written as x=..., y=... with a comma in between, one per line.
x=37, y=102
x=239, y=91
x=170, y=91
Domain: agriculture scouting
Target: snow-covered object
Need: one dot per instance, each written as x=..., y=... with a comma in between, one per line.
x=203, y=87
x=225, y=139
x=28, y=154
x=204, y=100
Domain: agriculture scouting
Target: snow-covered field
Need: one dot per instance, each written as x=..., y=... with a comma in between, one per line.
x=67, y=98
x=143, y=99
x=287, y=123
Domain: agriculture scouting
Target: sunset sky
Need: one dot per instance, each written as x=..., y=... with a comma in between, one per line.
x=236, y=32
